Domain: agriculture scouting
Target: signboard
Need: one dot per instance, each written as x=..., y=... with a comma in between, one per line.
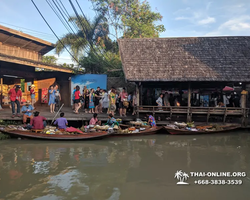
x=89, y=80
x=44, y=98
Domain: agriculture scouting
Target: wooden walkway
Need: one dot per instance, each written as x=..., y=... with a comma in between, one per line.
x=204, y=111
x=44, y=111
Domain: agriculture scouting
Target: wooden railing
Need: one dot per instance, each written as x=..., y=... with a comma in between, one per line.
x=190, y=111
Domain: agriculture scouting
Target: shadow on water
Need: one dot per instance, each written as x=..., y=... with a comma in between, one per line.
x=122, y=168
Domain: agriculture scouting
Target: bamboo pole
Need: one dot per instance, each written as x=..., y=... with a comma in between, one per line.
x=137, y=99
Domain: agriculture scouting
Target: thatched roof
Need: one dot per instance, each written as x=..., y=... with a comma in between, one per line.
x=186, y=59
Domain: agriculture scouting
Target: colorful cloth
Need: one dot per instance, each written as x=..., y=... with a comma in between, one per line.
x=111, y=121
x=152, y=121
x=112, y=98
x=52, y=97
x=25, y=109
x=91, y=103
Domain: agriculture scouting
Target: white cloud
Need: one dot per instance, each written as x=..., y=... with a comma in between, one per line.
x=207, y=20
x=234, y=26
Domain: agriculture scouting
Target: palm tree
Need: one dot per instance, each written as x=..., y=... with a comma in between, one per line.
x=178, y=174
x=90, y=36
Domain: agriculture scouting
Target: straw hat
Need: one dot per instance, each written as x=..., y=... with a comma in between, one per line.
x=32, y=85
x=112, y=107
x=28, y=103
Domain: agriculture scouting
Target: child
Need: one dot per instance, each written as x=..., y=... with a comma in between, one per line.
x=61, y=122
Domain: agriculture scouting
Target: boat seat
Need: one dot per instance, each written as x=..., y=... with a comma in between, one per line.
x=37, y=130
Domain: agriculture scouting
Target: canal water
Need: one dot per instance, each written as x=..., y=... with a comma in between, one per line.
x=125, y=168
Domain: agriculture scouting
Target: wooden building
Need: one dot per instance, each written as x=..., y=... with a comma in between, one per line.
x=195, y=67
x=20, y=55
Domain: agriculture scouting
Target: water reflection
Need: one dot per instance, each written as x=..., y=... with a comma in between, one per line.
x=116, y=168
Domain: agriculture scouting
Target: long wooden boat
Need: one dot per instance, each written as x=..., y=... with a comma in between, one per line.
x=173, y=131
x=148, y=131
x=63, y=137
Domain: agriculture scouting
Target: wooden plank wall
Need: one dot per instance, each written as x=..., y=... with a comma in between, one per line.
x=19, y=52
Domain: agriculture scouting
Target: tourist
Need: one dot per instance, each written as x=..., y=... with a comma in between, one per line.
x=38, y=122
x=159, y=102
x=33, y=96
x=91, y=101
x=61, y=122
x=171, y=99
x=166, y=99
x=112, y=101
x=130, y=101
x=236, y=100
x=151, y=120
x=123, y=103
x=94, y=120
x=57, y=97
x=86, y=100
x=111, y=120
x=118, y=100
x=134, y=103
x=101, y=100
x=52, y=98
x=105, y=101
x=97, y=95
x=15, y=95
x=77, y=95
x=73, y=98
x=27, y=112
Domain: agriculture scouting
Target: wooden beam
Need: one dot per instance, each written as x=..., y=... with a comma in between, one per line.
x=137, y=98
x=1, y=96
x=7, y=39
x=26, y=44
x=32, y=64
x=189, y=94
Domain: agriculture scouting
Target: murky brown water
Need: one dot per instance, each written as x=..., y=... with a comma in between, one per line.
x=140, y=168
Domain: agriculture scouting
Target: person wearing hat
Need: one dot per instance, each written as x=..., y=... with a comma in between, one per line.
x=27, y=112
x=15, y=95
x=33, y=95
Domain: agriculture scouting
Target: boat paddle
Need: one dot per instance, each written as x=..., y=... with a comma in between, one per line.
x=57, y=113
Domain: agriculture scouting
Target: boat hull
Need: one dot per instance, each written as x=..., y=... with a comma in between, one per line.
x=186, y=132
x=42, y=136
x=149, y=131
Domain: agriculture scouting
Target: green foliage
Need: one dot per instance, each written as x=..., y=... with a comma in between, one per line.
x=50, y=60
x=140, y=21
x=92, y=45
x=4, y=136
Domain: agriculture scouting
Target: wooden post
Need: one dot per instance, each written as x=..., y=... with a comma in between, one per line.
x=189, y=103
x=137, y=99
x=189, y=94
x=1, y=96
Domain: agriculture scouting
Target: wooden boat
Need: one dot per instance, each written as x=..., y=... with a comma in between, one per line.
x=148, y=131
x=64, y=137
x=173, y=131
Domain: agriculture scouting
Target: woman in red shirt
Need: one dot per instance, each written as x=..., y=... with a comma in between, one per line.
x=77, y=95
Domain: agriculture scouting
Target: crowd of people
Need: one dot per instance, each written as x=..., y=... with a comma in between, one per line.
x=100, y=101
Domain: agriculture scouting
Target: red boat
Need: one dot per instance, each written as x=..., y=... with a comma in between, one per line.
x=43, y=136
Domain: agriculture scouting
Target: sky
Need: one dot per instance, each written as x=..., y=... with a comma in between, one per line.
x=181, y=18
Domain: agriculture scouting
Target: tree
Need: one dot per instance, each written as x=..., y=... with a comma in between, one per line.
x=133, y=18
x=50, y=60
x=140, y=21
x=89, y=34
